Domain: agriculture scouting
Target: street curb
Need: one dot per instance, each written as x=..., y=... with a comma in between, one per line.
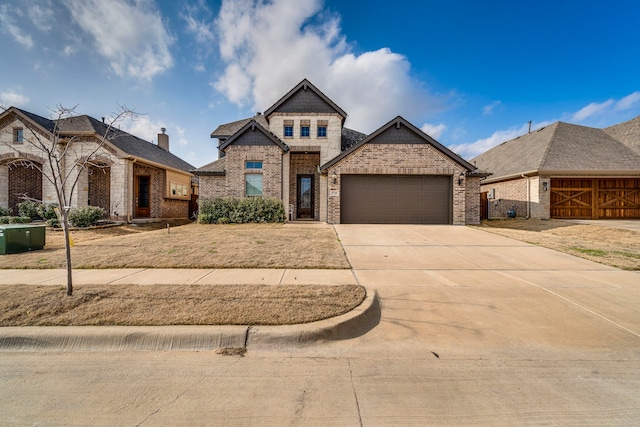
x=353, y=324
x=189, y=338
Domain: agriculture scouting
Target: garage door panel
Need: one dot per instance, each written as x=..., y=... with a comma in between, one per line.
x=396, y=199
x=605, y=198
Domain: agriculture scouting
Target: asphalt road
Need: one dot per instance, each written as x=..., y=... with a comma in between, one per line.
x=475, y=329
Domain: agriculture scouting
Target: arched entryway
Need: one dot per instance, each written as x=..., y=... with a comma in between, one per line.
x=25, y=182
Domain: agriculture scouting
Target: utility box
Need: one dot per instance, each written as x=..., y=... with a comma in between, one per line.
x=16, y=238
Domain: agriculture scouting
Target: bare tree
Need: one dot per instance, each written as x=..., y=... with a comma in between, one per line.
x=66, y=155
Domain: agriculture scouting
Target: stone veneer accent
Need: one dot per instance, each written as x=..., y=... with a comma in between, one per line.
x=404, y=159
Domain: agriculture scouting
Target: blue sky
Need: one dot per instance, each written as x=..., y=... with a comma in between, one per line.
x=471, y=74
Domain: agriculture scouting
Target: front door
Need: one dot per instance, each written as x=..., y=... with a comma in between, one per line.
x=304, y=207
x=142, y=196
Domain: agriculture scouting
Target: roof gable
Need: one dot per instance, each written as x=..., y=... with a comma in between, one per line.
x=253, y=133
x=44, y=124
x=305, y=98
x=627, y=132
x=400, y=131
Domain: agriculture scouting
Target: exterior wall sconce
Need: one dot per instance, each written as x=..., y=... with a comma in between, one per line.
x=461, y=178
x=334, y=177
x=545, y=186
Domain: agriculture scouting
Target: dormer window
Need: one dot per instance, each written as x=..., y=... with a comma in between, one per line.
x=288, y=129
x=322, y=128
x=305, y=128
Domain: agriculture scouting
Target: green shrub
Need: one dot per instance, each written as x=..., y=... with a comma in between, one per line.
x=6, y=219
x=4, y=212
x=36, y=210
x=233, y=210
x=29, y=208
x=85, y=216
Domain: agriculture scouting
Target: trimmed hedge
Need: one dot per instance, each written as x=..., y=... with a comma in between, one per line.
x=36, y=211
x=4, y=212
x=233, y=210
x=6, y=219
x=86, y=216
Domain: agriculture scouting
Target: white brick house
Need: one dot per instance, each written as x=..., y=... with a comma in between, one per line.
x=300, y=152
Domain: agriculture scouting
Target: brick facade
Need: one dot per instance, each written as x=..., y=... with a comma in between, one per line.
x=211, y=186
x=525, y=194
x=271, y=158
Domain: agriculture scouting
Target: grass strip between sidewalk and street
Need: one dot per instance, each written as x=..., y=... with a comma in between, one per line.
x=161, y=305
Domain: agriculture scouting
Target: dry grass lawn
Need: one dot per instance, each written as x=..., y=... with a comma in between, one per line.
x=175, y=305
x=191, y=246
x=606, y=245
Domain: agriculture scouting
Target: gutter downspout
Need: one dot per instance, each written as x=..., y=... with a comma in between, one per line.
x=528, y=196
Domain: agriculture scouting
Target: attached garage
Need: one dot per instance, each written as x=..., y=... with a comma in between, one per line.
x=604, y=198
x=400, y=175
x=396, y=199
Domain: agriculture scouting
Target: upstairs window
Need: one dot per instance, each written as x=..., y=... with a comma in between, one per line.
x=305, y=128
x=254, y=164
x=288, y=129
x=18, y=135
x=322, y=128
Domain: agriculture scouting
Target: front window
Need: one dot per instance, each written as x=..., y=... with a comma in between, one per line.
x=253, y=184
x=322, y=131
x=304, y=131
x=18, y=135
x=288, y=131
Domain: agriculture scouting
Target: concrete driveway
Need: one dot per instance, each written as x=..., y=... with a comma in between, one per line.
x=461, y=292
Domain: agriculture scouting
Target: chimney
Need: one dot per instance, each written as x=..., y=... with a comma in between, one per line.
x=163, y=140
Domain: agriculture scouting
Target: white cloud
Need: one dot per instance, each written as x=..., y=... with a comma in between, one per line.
x=488, y=109
x=264, y=59
x=473, y=149
x=628, y=102
x=143, y=127
x=9, y=24
x=593, y=109
x=41, y=14
x=12, y=98
x=182, y=141
x=434, y=131
x=129, y=34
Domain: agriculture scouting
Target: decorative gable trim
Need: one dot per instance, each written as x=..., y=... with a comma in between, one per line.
x=253, y=126
x=379, y=137
x=305, y=85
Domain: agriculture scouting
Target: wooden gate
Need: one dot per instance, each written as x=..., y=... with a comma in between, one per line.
x=595, y=198
x=484, y=205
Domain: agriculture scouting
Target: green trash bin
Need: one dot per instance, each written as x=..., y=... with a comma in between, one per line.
x=16, y=238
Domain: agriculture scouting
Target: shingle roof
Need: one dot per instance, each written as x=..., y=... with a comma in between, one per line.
x=217, y=167
x=350, y=138
x=559, y=148
x=627, y=132
x=228, y=129
x=129, y=144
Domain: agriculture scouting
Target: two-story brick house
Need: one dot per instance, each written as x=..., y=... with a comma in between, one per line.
x=299, y=151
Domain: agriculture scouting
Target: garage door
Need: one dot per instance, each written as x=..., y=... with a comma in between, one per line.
x=595, y=198
x=395, y=199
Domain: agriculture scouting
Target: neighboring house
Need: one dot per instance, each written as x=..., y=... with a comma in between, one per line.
x=128, y=177
x=299, y=151
x=566, y=171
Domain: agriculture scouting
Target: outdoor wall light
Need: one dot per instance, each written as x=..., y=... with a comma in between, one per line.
x=545, y=186
x=334, y=177
x=460, y=178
